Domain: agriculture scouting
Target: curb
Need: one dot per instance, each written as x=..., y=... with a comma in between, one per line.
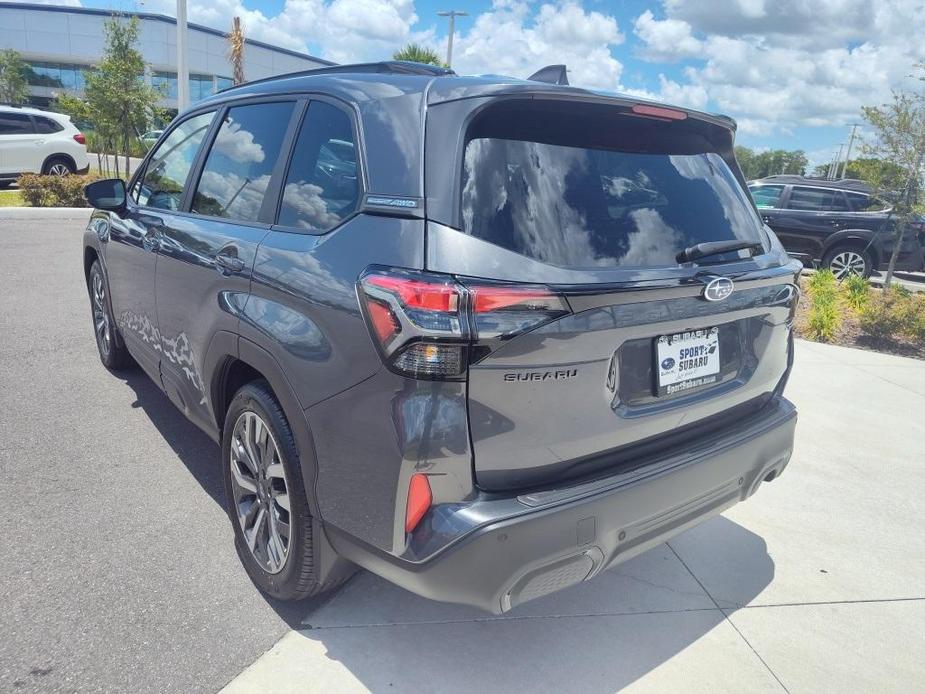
x=13, y=213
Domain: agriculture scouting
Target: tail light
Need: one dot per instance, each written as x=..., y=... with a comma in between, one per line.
x=432, y=326
x=80, y=139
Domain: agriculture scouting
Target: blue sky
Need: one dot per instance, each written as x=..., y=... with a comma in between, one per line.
x=793, y=73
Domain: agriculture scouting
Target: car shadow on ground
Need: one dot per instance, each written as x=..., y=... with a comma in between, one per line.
x=201, y=456
x=598, y=636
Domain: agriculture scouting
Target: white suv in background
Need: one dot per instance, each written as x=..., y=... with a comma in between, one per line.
x=35, y=141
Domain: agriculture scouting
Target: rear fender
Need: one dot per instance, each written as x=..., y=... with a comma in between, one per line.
x=870, y=240
x=326, y=560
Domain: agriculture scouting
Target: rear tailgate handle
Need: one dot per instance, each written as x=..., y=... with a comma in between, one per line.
x=228, y=260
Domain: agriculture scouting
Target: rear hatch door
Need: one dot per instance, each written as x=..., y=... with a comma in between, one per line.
x=594, y=202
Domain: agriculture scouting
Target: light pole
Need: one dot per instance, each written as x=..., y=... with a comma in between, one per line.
x=182, y=66
x=854, y=129
x=833, y=167
x=452, y=14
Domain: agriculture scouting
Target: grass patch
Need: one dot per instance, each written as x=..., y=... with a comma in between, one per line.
x=11, y=198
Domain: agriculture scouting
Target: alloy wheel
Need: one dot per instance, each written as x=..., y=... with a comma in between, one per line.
x=100, y=315
x=848, y=263
x=261, y=491
x=59, y=170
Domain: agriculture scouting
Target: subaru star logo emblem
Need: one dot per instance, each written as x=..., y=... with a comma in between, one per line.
x=718, y=288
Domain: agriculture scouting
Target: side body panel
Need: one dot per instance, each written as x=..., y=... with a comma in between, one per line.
x=197, y=298
x=131, y=258
x=304, y=311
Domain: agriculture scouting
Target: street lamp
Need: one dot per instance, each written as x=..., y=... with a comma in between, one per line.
x=452, y=14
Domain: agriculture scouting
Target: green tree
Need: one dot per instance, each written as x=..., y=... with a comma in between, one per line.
x=117, y=100
x=13, y=81
x=418, y=54
x=770, y=162
x=900, y=140
x=867, y=169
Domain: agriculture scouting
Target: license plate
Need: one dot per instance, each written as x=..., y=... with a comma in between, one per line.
x=687, y=360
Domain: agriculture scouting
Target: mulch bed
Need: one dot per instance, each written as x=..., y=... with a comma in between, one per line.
x=849, y=335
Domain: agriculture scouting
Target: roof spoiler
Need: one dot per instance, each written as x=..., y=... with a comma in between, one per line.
x=551, y=74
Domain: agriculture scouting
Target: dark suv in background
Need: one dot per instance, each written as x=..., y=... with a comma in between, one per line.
x=485, y=337
x=838, y=224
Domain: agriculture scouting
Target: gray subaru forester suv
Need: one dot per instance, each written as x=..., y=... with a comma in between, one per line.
x=484, y=337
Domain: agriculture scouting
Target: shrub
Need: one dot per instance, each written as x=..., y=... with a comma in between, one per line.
x=54, y=191
x=823, y=319
x=857, y=290
x=891, y=313
x=822, y=282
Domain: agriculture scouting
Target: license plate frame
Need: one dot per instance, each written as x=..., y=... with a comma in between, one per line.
x=686, y=360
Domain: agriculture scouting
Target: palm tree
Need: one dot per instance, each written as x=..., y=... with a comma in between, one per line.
x=236, y=50
x=416, y=53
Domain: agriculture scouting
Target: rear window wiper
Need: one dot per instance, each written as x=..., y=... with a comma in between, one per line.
x=702, y=250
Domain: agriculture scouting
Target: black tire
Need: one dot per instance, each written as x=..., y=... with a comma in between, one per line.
x=51, y=167
x=844, y=260
x=296, y=579
x=109, y=343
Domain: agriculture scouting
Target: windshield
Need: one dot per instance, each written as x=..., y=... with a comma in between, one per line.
x=591, y=208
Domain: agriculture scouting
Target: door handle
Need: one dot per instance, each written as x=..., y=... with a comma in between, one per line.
x=229, y=262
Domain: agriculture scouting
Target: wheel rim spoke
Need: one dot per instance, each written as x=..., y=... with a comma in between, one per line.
x=261, y=491
x=100, y=315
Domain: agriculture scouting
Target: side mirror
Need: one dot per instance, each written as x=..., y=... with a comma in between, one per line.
x=108, y=194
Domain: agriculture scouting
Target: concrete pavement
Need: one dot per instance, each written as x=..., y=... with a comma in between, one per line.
x=117, y=571
x=815, y=584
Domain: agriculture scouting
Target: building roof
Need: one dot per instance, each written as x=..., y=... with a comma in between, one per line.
x=152, y=16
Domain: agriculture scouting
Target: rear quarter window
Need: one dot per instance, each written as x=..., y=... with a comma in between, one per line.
x=581, y=207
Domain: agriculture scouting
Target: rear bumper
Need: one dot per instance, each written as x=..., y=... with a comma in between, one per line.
x=541, y=542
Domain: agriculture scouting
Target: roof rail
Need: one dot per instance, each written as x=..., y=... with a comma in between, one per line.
x=551, y=74
x=391, y=67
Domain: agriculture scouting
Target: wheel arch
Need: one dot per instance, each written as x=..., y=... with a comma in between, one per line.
x=251, y=362
x=863, y=239
x=90, y=256
x=58, y=155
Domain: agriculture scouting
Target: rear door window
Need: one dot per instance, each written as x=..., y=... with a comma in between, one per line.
x=581, y=207
x=15, y=124
x=865, y=203
x=321, y=186
x=169, y=165
x=811, y=199
x=237, y=171
x=766, y=196
x=47, y=126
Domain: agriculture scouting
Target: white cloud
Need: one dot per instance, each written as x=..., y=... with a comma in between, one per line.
x=777, y=65
x=666, y=39
x=510, y=40
x=339, y=30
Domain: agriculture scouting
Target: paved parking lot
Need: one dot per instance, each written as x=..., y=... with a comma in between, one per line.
x=117, y=571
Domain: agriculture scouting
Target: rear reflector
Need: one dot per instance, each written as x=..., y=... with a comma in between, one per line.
x=419, y=501
x=80, y=139
x=659, y=112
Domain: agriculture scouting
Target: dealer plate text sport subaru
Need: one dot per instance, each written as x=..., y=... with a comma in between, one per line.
x=484, y=337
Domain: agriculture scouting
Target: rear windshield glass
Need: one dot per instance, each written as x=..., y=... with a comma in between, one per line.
x=590, y=208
